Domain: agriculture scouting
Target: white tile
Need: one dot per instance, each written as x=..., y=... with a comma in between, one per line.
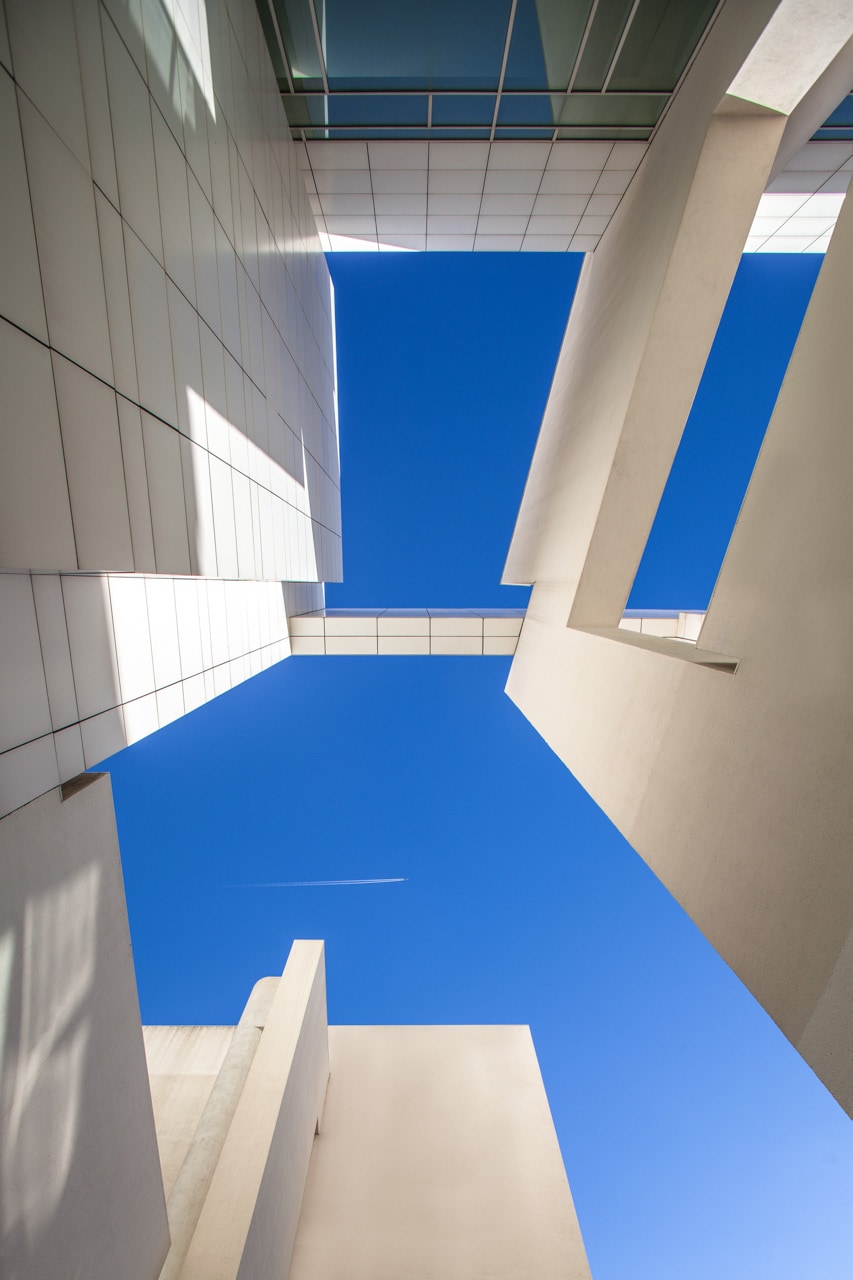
x=563, y=205
x=444, y=204
x=103, y=736
x=351, y=645
x=195, y=466
x=592, y=226
x=580, y=155
x=498, y=243
x=163, y=630
x=458, y=625
x=398, y=155
x=552, y=225
x=5, y=51
x=502, y=626
x=779, y=205
x=400, y=181
x=44, y=51
x=819, y=155
x=506, y=204
x=659, y=626
x=300, y=625
x=449, y=244
x=117, y=297
x=400, y=224
x=352, y=224
x=55, y=650
x=613, y=182
x=174, y=208
x=90, y=635
x=337, y=155
x=170, y=704
x=140, y=718
x=204, y=256
x=583, y=244
x=68, y=246
x=192, y=640
x=337, y=204
x=603, y=205
x=790, y=182
x=151, y=334
x=166, y=495
x=35, y=515
x=502, y=226
x=389, y=625
x=458, y=224
x=455, y=182
x=27, y=772
x=222, y=495
x=96, y=104
x=127, y=16
x=456, y=645
x=194, y=693
x=134, y=144
x=626, y=155
x=803, y=226
x=458, y=155
x=404, y=644
x=824, y=205
x=513, y=181
x=94, y=466
x=20, y=281
x=217, y=621
x=24, y=708
x=68, y=744
x=519, y=155
x=343, y=182
x=499, y=645
x=561, y=182
x=837, y=182
x=136, y=486
x=304, y=646
x=186, y=357
x=132, y=638
x=545, y=244
x=630, y=624
x=350, y=626
x=787, y=244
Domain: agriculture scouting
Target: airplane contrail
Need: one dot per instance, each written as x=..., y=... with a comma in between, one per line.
x=317, y=884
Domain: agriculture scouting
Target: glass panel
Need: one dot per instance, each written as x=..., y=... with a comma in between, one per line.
x=349, y=135
x=427, y=44
x=607, y=132
x=607, y=27
x=659, y=43
x=524, y=133
x=461, y=109
x=302, y=111
x=297, y=33
x=842, y=115
x=378, y=109
x=611, y=109
x=459, y=133
x=546, y=36
x=529, y=109
x=272, y=44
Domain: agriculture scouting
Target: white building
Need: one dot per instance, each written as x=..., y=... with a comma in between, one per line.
x=169, y=471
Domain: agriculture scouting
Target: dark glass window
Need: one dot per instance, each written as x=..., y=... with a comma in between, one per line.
x=659, y=43
x=546, y=36
x=463, y=109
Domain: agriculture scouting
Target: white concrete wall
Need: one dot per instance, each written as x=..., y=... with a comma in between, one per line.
x=732, y=783
x=167, y=388
x=80, y=1188
x=436, y=1157
x=247, y=1225
x=90, y=663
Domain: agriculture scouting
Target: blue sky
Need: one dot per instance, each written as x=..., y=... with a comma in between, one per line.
x=697, y=1142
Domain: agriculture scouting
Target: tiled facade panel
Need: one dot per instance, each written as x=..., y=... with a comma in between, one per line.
x=92, y=662
x=166, y=353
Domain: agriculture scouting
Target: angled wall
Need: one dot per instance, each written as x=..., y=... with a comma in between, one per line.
x=80, y=1188
x=731, y=779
